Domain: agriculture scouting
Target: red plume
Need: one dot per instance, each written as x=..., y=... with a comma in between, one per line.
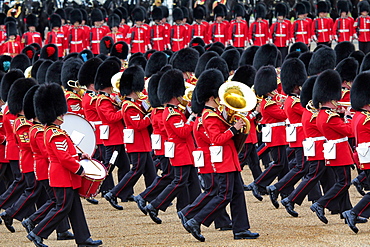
x=29, y=54
x=119, y=48
x=107, y=43
x=50, y=51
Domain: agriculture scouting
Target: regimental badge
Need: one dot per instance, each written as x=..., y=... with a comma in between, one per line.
x=25, y=138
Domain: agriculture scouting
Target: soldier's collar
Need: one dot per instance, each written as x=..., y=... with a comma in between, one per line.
x=170, y=105
x=35, y=122
x=210, y=108
x=104, y=93
x=326, y=108
x=293, y=94
x=129, y=99
x=90, y=91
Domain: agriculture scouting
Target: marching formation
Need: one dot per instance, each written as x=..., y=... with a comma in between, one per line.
x=187, y=120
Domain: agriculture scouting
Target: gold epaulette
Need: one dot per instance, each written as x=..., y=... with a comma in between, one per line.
x=102, y=97
x=295, y=100
x=172, y=113
x=127, y=104
x=200, y=122
x=209, y=113
x=22, y=122
x=38, y=127
x=93, y=97
x=56, y=132
x=71, y=95
x=344, y=91
x=331, y=114
x=367, y=119
x=269, y=102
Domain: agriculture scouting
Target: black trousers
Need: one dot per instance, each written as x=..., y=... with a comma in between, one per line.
x=249, y=156
x=178, y=184
x=284, y=52
x=40, y=214
x=362, y=208
x=160, y=182
x=295, y=174
x=68, y=204
x=17, y=187
x=21, y=208
x=122, y=163
x=315, y=171
x=142, y=163
x=6, y=176
x=211, y=190
x=278, y=155
x=364, y=46
x=100, y=153
x=338, y=194
x=230, y=191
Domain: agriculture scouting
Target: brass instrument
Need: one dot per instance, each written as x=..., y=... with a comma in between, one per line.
x=27, y=72
x=78, y=89
x=237, y=99
x=344, y=104
x=115, y=81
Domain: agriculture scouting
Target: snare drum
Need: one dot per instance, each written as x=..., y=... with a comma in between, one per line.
x=95, y=175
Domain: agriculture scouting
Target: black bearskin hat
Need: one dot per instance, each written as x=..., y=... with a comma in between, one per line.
x=177, y=14
x=140, y=61
x=293, y=73
x=61, y=13
x=220, y=64
x=202, y=62
x=343, y=6
x=307, y=89
x=293, y=54
x=85, y=55
x=11, y=29
x=260, y=11
x=164, y=11
x=363, y=6
x=70, y=71
x=16, y=93
x=247, y=56
x=306, y=58
x=199, y=49
x=21, y=61
x=114, y=21
x=197, y=42
x=198, y=13
x=239, y=10
x=49, y=103
x=155, y=63
x=32, y=21
x=359, y=56
x=300, y=9
x=120, y=50
x=171, y=85
x=2, y=18
x=157, y=14
x=195, y=106
x=186, y=60
x=322, y=59
x=75, y=16
x=137, y=15
x=347, y=69
x=49, y=51
x=298, y=46
x=132, y=80
x=217, y=49
x=280, y=10
x=87, y=72
x=153, y=89
x=185, y=12
x=7, y=81
x=219, y=11
x=265, y=81
x=322, y=6
x=208, y=84
x=328, y=86
x=232, y=58
x=343, y=50
x=123, y=12
x=29, y=51
x=54, y=73
x=106, y=44
x=104, y=74
x=365, y=65
x=55, y=21
x=245, y=74
x=41, y=72
x=96, y=15
x=35, y=67
x=28, y=109
x=265, y=55
x=360, y=91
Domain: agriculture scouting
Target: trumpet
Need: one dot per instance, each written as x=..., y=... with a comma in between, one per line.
x=76, y=85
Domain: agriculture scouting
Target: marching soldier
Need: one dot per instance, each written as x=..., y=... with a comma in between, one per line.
x=218, y=30
x=65, y=25
x=2, y=29
x=362, y=27
x=343, y=29
x=167, y=26
x=322, y=26
x=178, y=31
x=113, y=23
x=259, y=29
x=31, y=36
x=200, y=27
x=56, y=36
x=280, y=30
x=97, y=31
x=77, y=39
x=11, y=47
x=238, y=30
x=138, y=36
x=157, y=31
x=301, y=28
x=123, y=27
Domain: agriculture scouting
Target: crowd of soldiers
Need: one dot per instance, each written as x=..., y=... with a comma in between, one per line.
x=171, y=118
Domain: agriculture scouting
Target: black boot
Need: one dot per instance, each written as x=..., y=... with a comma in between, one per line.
x=112, y=200
x=38, y=241
x=255, y=191
x=141, y=203
x=8, y=221
x=183, y=219
x=358, y=186
x=289, y=207
x=246, y=235
x=273, y=193
x=153, y=213
x=350, y=218
x=319, y=210
x=89, y=243
x=194, y=228
x=28, y=224
x=92, y=200
x=67, y=235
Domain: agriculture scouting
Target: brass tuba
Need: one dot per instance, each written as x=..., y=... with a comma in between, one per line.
x=115, y=81
x=237, y=99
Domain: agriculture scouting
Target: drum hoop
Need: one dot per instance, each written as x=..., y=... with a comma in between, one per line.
x=97, y=179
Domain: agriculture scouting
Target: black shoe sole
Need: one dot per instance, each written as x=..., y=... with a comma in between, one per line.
x=155, y=218
x=142, y=209
x=272, y=199
x=352, y=227
x=116, y=206
x=238, y=238
x=289, y=211
x=324, y=220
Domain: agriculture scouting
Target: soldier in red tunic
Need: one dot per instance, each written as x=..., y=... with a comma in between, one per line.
x=11, y=46
x=238, y=30
x=97, y=31
x=337, y=151
x=167, y=26
x=2, y=29
x=138, y=36
x=280, y=30
x=200, y=27
x=178, y=31
x=31, y=36
x=56, y=36
x=77, y=40
x=64, y=169
x=113, y=23
x=301, y=28
x=157, y=31
x=259, y=29
x=123, y=27
x=362, y=27
x=322, y=26
x=218, y=31
x=343, y=29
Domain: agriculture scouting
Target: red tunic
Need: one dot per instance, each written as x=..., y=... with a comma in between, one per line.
x=252, y=136
x=362, y=27
x=220, y=134
x=59, y=39
x=74, y=103
x=96, y=34
x=2, y=140
x=116, y=36
x=322, y=28
x=40, y=155
x=21, y=129
x=91, y=114
x=272, y=113
x=157, y=37
x=77, y=39
x=294, y=111
x=110, y=115
x=11, y=48
x=178, y=37
x=138, y=38
x=11, y=147
x=31, y=37
x=280, y=33
x=343, y=29
x=158, y=128
x=167, y=34
x=361, y=125
x=311, y=131
x=218, y=32
x=259, y=32
x=135, y=118
x=179, y=132
x=333, y=127
x=200, y=31
x=124, y=29
x=238, y=32
x=301, y=31
x=203, y=143
x=63, y=159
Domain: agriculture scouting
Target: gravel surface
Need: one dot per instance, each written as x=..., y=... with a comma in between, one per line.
x=131, y=228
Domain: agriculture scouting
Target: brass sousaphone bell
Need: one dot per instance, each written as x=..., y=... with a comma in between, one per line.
x=237, y=99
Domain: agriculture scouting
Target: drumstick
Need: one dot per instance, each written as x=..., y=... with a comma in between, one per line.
x=79, y=149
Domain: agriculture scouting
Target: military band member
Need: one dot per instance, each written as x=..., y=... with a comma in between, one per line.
x=50, y=106
x=167, y=26
x=322, y=26
x=337, y=153
x=362, y=27
x=56, y=36
x=200, y=27
x=113, y=23
x=301, y=28
x=138, y=36
x=178, y=31
x=238, y=29
x=11, y=46
x=259, y=29
x=343, y=29
x=97, y=31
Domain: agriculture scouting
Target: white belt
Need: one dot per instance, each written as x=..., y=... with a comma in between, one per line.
x=177, y=40
x=219, y=35
x=343, y=30
x=301, y=32
x=156, y=39
x=76, y=42
x=199, y=37
x=138, y=41
x=280, y=35
x=295, y=125
x=315, y=139
x=364, y=143
x=95, y=41
x=58, y=44
x=259, y=35
x=239, y=35
x=275, y=124
x=344, y=139
x=322, y=30
x=96, y=122
x=364, y=30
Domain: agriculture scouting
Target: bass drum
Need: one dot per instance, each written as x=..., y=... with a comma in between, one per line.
x=81, y=132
